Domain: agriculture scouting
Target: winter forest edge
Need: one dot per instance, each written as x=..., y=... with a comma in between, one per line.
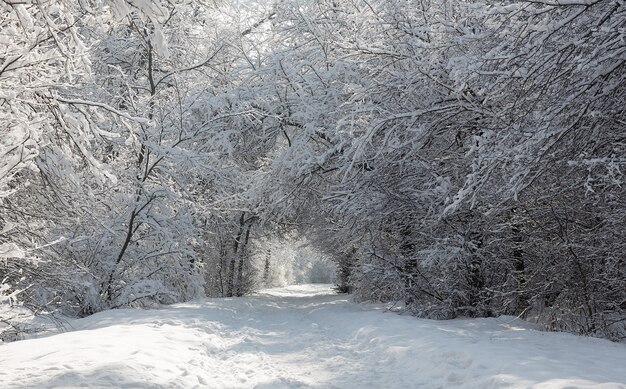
x=465, y=158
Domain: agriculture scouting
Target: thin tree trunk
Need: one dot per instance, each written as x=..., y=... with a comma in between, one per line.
x=231, y=268
x=407, y=250
x=129, y=237
x=143, y=157
x=519, y=268
x=266, y=268
x=242, y=257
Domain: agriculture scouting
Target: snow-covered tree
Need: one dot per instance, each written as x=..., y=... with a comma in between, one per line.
x=464, y=158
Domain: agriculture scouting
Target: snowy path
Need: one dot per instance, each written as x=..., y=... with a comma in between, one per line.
x=301, y=337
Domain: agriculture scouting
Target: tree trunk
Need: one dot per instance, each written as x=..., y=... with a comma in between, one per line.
x=242, y=257
x=266, y=268
x=409, y=261
x=233, y=259
x=475, y=276
x=346, y=264
x=519, y=268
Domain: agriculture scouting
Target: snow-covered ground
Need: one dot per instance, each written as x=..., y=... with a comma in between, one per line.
x=305, y=336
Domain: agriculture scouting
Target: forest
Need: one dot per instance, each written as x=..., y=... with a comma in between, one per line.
x=460, y=158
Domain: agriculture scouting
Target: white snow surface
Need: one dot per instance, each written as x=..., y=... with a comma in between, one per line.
x=305, y=337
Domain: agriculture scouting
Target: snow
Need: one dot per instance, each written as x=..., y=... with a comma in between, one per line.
x=305, y=336
x=11, y=250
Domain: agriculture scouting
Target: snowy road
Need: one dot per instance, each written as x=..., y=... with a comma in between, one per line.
x=301, y=337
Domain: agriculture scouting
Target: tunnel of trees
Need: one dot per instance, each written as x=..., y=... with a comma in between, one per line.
x=463, y=158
